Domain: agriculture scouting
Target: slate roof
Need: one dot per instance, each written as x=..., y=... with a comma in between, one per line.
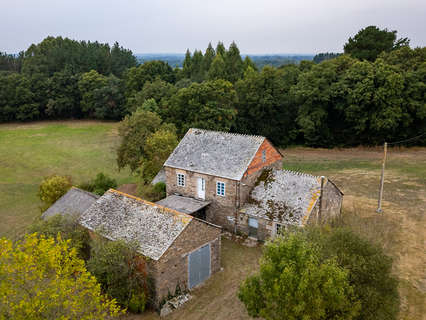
x=74, y=202
x=215, y=153
x=183, y=204
x=284, y=196
x=160, y=177
x=119, y=216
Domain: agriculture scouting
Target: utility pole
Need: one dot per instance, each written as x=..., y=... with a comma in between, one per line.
x=382, y=180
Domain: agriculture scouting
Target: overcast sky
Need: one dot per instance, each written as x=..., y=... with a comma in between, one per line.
x=160, y=26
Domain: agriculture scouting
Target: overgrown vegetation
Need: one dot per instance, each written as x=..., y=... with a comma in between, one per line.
x=372, y=93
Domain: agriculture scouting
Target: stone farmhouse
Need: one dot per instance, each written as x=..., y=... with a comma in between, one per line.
x=236, y=181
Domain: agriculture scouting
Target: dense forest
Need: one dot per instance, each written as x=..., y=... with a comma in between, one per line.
x=374, y=92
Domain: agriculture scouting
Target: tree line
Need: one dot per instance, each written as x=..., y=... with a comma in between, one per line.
x=373, y=92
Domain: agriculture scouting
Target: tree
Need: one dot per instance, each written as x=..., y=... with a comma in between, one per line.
x=220, y=49
x=187, y=65
x=217, y=69
x=294, y=283
x=121, y=59
x=197, y=71
x=42, y=278
x=233, y=63
x=100, y=184
x=136, y=77
x=369, y=42
x=208, y=105
x=52, y=188
x=133, y=132
x=265, y=105
x=157, y=148
x=325, y=56
x=120, y=271
x=88, y=84
x=370, y=271
x=209, y=55
x=248, y=63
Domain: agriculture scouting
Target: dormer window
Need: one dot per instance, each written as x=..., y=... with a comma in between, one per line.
x=263, y=155
x=180, y=179
x=220, y=188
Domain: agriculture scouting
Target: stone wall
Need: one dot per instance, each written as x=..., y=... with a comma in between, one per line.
x=331, y=203
x=171, y=270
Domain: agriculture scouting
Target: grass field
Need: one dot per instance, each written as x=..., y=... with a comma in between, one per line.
x=29, y=152
x=82, y=149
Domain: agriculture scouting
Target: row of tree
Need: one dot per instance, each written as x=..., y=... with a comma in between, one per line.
x=345, y=100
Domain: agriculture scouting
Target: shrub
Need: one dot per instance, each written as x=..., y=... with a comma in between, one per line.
x=99, y=185
x=120, y=271
x=153, y=192
x=295, y=283
x=42, y=278
x=52, y=188
x=68, y=227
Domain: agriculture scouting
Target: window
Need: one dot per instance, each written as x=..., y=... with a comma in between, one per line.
x=180, y=180
x=263, y=155
x=220, y=188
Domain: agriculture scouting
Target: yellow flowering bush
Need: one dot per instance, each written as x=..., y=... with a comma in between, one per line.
x=41, y=278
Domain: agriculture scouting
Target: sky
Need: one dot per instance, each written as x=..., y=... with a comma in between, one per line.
x=167, y=26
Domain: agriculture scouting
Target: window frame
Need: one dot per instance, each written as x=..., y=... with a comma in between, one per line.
x=180, y=177
x=263, y=156
x=279, y=226
x=219, y=190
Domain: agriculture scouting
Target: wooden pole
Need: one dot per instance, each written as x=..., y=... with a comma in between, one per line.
x=382, y=180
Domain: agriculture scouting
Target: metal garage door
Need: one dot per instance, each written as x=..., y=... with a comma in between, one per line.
x=199, y=266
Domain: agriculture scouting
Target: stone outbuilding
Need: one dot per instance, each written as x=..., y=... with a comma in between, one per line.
x=180, y=250
x=72, y=203
x=283, y=198
x=217, y=170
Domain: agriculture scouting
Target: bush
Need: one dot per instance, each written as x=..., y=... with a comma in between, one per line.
x=295, y=283
x=153, y=192
x=69, y=229
x=99, y=185
x=120, y=271
x=42, y=278
x=52, y=188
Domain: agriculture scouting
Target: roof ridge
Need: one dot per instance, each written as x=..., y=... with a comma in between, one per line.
x=229, y=133
x=94, y=195
x=300, y=173
x=152, y=204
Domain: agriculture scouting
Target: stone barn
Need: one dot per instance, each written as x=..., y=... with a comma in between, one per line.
x=180, y=250
x=72, y=203
x=283, y=198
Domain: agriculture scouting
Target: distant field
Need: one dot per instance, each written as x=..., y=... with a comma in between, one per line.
x=29, y=152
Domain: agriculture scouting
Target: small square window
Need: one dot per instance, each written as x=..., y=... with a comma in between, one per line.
x=220, y=188
x=263, y=155
x=180, y=180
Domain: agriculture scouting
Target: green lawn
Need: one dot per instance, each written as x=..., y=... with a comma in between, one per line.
x=29, y=152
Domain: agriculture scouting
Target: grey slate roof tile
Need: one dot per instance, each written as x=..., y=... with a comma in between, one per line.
x=285, y=196
x=118, y=216
x=215, y=153
x=74, y=202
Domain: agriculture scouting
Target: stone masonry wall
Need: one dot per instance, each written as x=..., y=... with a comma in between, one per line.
x=172, y=268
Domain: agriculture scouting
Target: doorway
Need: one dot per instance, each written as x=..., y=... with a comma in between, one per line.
x=201, y=188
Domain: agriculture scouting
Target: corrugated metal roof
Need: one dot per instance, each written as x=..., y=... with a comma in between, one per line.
x=215, y=153
x=74, y=202
x=284, y=196
x=119, y=216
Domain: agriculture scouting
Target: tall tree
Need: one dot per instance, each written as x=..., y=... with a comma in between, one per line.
x=197, y=71
x=220, y=49
x=208, y=59
x=187, y=65
x=233, y=63
x=369, y=42
x=217, y=69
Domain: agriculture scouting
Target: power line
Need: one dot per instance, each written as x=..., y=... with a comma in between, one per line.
x=406, y=140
